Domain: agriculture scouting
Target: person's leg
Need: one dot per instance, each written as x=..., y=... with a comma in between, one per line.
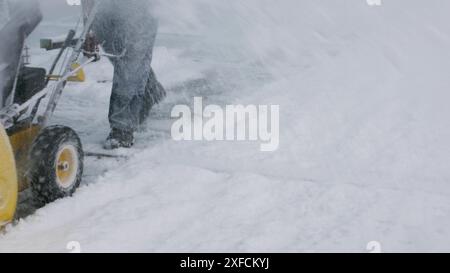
x=127, y=98
x=154, y=94
x=135, y=89
x=132, y=87
x=108, y=30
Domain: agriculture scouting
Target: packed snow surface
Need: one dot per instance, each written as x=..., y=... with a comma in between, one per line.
x=364, y=136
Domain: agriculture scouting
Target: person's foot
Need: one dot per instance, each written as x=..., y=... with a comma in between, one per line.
x=119, y=139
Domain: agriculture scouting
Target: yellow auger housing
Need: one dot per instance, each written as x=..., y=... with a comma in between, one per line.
x=8, y=180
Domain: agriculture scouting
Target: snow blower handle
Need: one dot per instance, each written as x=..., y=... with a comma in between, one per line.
x=67, y=43
x=55, y=93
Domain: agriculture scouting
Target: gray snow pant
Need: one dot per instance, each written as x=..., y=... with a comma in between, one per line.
x=135, y=88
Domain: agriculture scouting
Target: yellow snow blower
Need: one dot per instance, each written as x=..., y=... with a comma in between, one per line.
x=48, y=160
x=8, y=179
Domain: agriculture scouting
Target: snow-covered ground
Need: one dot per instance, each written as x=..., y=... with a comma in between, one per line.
x=364, y=146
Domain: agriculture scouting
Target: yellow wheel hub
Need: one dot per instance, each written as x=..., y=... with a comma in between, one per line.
x=66, y=166
x=8, y=180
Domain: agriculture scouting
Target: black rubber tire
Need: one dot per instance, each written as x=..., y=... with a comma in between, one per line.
x=43, y=161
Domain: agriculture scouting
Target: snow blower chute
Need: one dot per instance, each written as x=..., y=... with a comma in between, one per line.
x=46, y=159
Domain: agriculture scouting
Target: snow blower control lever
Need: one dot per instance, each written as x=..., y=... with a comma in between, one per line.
x=57, y=43
x=49, y=45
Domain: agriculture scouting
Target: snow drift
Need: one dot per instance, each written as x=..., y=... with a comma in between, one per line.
x=364, y=151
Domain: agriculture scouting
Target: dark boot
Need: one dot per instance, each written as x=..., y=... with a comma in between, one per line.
x=119, y=139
